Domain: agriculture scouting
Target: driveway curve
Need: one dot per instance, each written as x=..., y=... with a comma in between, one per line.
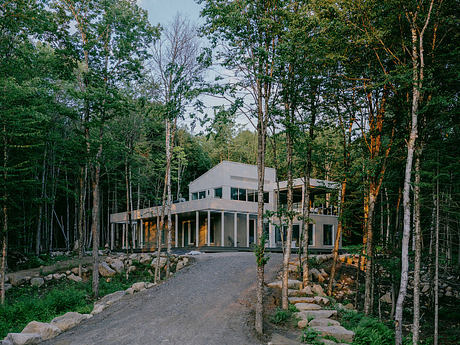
x=206, y=303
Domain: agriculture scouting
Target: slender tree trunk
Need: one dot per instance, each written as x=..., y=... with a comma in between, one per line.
x=40, y=208
x=418, y=249
x=287, y=252
x=337, y=238
x=81, y=215
x=436, y=264
x=95, y=218
x=5, y=218
x=128, y=204
x=369, y=248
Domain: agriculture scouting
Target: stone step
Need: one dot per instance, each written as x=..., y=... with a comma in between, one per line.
x=278, y=339
x=318, y=322
x=304, y=299
x=307, y=306
x=338, y=332
x=292, y=284
x=315, y=314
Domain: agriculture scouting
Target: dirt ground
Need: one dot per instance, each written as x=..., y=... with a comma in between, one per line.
x=207, y=303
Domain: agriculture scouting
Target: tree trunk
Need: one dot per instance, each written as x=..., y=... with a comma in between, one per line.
x=287, y=251
x=418, y=249
x=81, y=215
x=95, y=219
x=436, y=264
x=337, y=238
x=369, y=248
x=5, y=218
x=40, y=209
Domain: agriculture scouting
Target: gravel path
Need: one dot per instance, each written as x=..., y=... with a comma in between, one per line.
x=206, y=303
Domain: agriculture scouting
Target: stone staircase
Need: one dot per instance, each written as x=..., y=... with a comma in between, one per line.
x=314, y=312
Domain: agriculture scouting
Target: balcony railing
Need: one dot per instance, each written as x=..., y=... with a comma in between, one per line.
x=321, y=209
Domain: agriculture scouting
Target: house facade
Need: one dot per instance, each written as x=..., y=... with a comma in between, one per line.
x=221, y=211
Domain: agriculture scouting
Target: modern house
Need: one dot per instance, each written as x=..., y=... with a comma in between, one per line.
x=222, y=212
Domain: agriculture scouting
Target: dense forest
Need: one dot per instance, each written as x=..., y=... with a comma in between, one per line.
x=101, y=112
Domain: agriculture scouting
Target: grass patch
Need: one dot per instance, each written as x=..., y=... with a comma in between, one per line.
x=282, y=316
x=29, y=303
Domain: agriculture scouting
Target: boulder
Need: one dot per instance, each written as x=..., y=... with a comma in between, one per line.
x=132, y=269
x=17, y=279
x=149, y=285
x=338, y=332
x=98, y=308
x=295, y=293
x=48, y=277
x=307, y=306
x=74, y=278
x=117, y=265
x=129, y=291
x=37, y=281
x=314, y=273
x=315, y=314
x=145, y=258
x=180, y=265
x=140, y=286
x=318, y=290
x=303, y=299
x=69, y=320
x=74, y=270
x=24, y=338
x=162, y=262
x=349, y=306
x=46, y=330
x=112, y=298
x=323, y=322
x=105, y=270
x=58, y=276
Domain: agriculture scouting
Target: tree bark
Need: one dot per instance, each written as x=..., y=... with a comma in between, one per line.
x=287, y=251
x=40, y=208
x=96, y=218
x=418, y=249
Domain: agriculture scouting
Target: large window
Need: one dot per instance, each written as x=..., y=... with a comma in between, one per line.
x=252, y=195
x=202, y=195
x=218, y=193
x=327, y=234
x=234, y=193
x=242, y=194
x=266, y=198
x=194, y=196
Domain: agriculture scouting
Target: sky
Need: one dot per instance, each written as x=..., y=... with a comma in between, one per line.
x=162, y=12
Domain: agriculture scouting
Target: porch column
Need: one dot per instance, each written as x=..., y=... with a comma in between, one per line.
x=176, y=230
x=208, y=229
x=197, y=228
x=123, y=236
x=222, y=228
x=235, y=229
x=142, y=234
x=111, y=235
x=247, y=230
x=158, y=230
x=183, y=240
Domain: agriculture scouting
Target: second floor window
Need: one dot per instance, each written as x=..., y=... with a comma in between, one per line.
x=234, y=193
x=202, y=195
x=218, y=193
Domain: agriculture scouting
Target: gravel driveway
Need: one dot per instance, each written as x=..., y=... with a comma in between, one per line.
x=204, y=304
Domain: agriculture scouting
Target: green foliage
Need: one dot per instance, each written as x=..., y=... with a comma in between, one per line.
x=310, y=336
x=259, y=251
x=282, y=316
x=368, y=330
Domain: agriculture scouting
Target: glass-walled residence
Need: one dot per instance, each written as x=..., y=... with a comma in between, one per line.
x=222, y=212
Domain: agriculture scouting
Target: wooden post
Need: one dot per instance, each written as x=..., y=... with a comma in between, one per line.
x=197, y=229
x=176, y=230
x=208, y=229
x=247, y=230
x=235, y=230
x=222, y=228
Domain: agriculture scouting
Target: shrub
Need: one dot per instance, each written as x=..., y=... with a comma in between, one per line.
x=281, y=316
